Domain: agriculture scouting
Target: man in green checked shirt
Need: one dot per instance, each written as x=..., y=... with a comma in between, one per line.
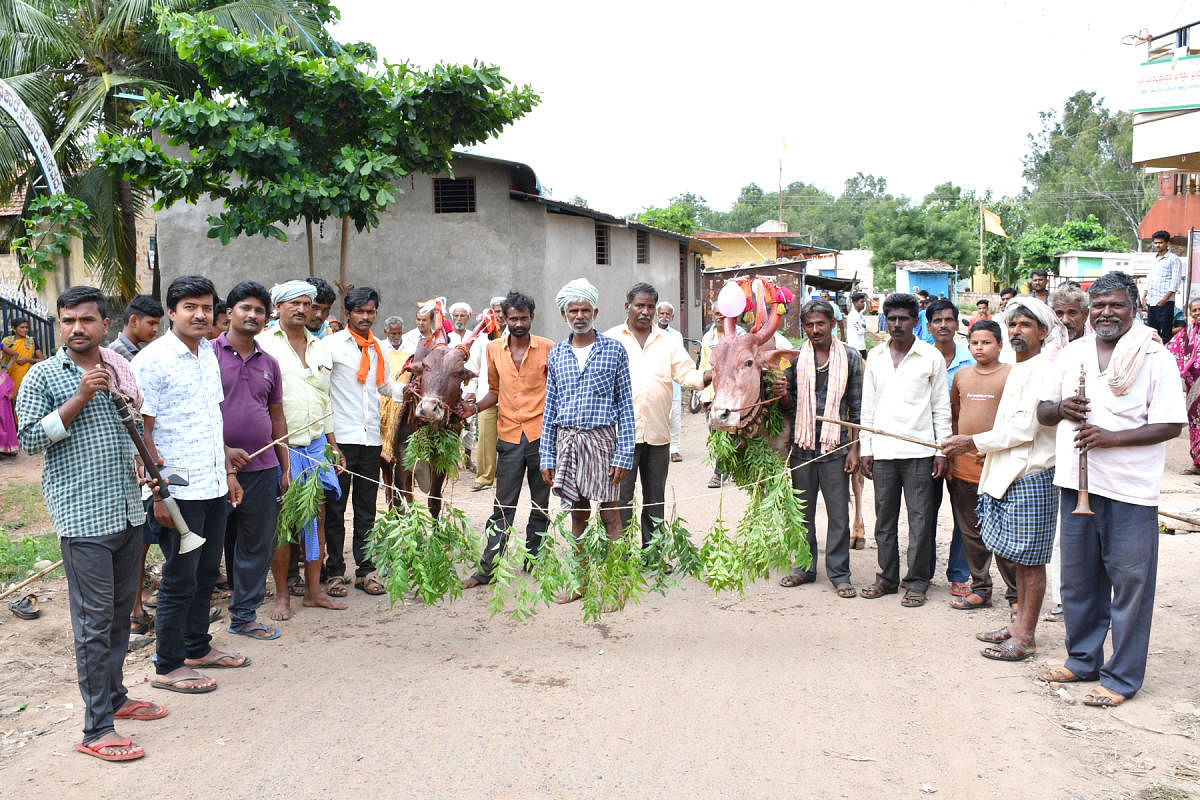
x=92, y=492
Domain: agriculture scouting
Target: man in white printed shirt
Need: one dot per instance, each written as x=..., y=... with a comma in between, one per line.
x=359, y=378
x=655, y=360
x=904, y=391
x=181, y=383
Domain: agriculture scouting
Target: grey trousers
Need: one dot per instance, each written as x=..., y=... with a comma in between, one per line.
x=102, y=580
x=893, y=477
x=829, y=478
x=250, y=542
x=516, y=463
x=1109, y=570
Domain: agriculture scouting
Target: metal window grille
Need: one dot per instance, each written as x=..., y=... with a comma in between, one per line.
x=643, y=247
x=602, y=249
x=453, y=195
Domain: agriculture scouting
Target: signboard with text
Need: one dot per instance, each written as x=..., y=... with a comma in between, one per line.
x=1168, y=85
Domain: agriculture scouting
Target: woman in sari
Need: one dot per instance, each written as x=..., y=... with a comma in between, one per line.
x=20, y=352
x=1186, y=347
x=8, y=421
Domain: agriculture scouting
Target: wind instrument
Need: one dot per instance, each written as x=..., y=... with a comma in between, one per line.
x=1082, y=508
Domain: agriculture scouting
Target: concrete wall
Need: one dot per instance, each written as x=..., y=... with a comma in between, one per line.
x=415, y=254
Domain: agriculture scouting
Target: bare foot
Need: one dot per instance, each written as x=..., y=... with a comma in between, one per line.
x=319, y=599
x=569, y=598
x=472, y=582
x=282, y=609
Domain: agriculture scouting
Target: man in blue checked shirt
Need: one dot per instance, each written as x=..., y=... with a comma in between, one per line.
x=587, y=423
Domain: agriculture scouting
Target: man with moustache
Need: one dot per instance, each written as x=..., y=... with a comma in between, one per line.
x=253, y=418
x=914, y=370
x=485, y=421
x=1016, y=508
x=460, y=318
x=825, y=380
x=358, y=380
x=655, y=360
x=516, y=376
x=393, y=329
x=410, y=340
x=1134, y=405
x=664, y=315
x=322, y=304
x=1038, y=279
x=180, y=380
x=588, y=423
x=305, y=365
x=92, y=494
x=1070, y=304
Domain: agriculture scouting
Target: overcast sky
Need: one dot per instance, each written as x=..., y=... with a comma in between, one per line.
x=643, y=101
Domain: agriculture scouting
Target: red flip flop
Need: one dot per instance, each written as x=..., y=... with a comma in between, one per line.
x=132, y=711
x=97, y=748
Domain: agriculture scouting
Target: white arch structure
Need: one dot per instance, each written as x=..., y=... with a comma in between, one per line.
x=15, y=107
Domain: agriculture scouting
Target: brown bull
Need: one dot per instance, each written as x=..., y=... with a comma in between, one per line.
x=738, y=362
x=433, y=397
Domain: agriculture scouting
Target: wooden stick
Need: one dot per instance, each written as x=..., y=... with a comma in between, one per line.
x=267, y=447
x=921, y=442
x=31, y=579
x=1181, y=517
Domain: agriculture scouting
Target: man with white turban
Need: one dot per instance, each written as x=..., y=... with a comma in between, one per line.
x=1017, y=498
x=587, y=421
x=460, y=318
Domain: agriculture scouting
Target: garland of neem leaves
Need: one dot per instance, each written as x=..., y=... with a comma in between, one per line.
x=302, y=499
x=419, y=556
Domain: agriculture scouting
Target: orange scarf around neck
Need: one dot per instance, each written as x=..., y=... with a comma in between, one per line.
x=364, y=366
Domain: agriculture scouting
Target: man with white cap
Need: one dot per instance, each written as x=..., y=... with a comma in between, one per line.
x=306, y=366
x=664, y=315
x=587, y=421
x=486, y=420
x=460, y=317
x=1016, y=509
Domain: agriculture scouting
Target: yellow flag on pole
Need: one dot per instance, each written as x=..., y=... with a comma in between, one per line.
x=991, y=222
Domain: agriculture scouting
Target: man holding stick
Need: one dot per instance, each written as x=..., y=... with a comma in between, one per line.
x=253, y=413
x=826, y=380
x=904, y=389
x=1016, y=486
x=1133, y=405
x=587, y=423
x=92, y=493
x=305, y=366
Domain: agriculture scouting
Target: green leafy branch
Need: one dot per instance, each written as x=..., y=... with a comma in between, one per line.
x=52, y=223
x=440, y=448
x=302, y=500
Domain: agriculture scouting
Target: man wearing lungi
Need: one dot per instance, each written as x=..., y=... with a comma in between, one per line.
x=306, y=366
x=1133, y=406
x=587, y=422
x=1016, y=486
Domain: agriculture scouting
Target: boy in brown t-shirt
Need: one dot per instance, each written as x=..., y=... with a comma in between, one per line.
x=974, y=398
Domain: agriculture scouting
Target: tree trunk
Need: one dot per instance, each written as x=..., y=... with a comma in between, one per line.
x=343, y=265
x=312, y=271
x=127, y=283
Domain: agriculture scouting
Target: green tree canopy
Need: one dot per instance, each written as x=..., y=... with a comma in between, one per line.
x=675, y=217
x=302, y=137
x=1039, y=246
x=1081, y=163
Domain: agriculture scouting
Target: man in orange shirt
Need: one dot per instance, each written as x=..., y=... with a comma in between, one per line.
x=516, y=367
x=980, y=314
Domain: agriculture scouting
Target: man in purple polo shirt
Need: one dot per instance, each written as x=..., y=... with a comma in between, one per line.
x=253, y=416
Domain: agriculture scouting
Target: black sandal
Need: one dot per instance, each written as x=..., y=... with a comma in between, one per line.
x=25, y=607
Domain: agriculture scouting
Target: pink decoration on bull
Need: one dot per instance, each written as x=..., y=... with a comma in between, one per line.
x=731, y=300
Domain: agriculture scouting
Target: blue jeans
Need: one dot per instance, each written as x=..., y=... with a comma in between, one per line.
x=956, y=568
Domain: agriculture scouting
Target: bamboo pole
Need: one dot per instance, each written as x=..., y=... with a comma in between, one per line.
x=31, y=579
x=1180, y=517
x=269, y=445
x=901, y=436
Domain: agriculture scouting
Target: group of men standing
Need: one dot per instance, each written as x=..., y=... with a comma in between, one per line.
x=1006, y=439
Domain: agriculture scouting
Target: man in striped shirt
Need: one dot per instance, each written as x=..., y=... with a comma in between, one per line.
x=587, y=421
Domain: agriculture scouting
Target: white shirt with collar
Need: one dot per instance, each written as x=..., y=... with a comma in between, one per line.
x=910, y=398
x=652, y=368
x=183, y=394
x=355, y=405
x=409, y=341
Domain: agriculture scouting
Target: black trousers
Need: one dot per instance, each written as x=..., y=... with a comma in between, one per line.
x=650, y=463
x=250, y=542
x=515, y=463
x=363, y=459
x=1162, y=319
x=892, y=478
x=102, y=580
x=181, y=627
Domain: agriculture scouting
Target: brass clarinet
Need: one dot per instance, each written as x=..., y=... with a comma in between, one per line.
x=1082, y=507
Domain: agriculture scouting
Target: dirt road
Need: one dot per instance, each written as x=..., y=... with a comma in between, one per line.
x=783, y=692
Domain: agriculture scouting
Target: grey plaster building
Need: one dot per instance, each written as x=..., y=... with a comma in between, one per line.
x=480, y=233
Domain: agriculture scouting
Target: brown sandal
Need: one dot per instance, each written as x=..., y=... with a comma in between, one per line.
x=1101, y=697
x=1060, y=675
x=875, y=590
x=994, y=637
x=796, y=579
x=336, y=586
x=369, y=584
x=965, y=603
x=846, y=590
x=1008, y=651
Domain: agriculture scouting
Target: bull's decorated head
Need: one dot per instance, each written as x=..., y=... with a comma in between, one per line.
x=737, y=366
x=442, y=370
